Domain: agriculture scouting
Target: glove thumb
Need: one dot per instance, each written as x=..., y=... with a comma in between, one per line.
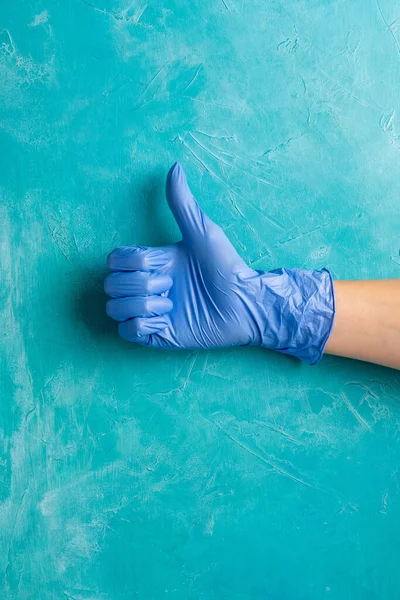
x=190, y=218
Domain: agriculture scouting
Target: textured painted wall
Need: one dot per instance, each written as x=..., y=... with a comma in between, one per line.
x=238, y=474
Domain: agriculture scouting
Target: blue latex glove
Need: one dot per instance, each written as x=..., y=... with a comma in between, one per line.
x=199, y=293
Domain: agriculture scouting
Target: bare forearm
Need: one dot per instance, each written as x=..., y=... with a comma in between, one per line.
x=367, y=322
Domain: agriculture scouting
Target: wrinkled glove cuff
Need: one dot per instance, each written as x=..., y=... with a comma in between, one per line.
x=298, y=309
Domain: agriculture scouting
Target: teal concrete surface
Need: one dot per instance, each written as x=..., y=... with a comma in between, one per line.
x=229, y=475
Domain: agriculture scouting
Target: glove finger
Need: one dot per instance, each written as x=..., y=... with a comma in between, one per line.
x=138, y=330
x=136, y=283
x=122, y=309
x=188, y=214
x=137, y=258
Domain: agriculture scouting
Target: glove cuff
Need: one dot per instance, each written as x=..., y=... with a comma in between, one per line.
x=297, y=311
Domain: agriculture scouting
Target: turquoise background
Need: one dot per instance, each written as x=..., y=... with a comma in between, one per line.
x=239, y=474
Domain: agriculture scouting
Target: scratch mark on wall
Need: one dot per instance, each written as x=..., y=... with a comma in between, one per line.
x=209, y=528
x=293, y=477
x=147, y=86
x=394, y=22
x=265, y=461
x=33, y=435
x=30, y=412
x=228, y=138
x=234, y=204
x=363, y=386
x=386, y=121
x=193, y=78
x=231, y=165
x=57, y=242
x=396, y=259
x=209, y=171
x=303, y=83
x=262, y=257
x=248, y=225
x=237, y=241
x=136, y=17
x=271, y=412
x=349, y=507
x=345, y=90
x=214, y=103
x=122, y=16
x=20, y=510
x=282, y=145
x=118, y=83
x=187, y=378
x=69, y=597
x=355, y=412
x=100, y=10
x=388, y=27
x=261, y=243
x=217, y=178
x=280, y=431
x=384, y=503
x=348, y=49
x=7, y=44
x=288, y=45
x=302, y=234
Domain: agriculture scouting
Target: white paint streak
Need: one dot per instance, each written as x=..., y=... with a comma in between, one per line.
x=39, y=19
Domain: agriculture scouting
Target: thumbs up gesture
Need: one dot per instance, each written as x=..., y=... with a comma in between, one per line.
x=199, y=293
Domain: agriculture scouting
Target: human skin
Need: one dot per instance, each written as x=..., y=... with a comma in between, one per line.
x=367, y=322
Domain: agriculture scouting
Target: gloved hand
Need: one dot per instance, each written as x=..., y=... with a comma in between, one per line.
x=199, y=293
